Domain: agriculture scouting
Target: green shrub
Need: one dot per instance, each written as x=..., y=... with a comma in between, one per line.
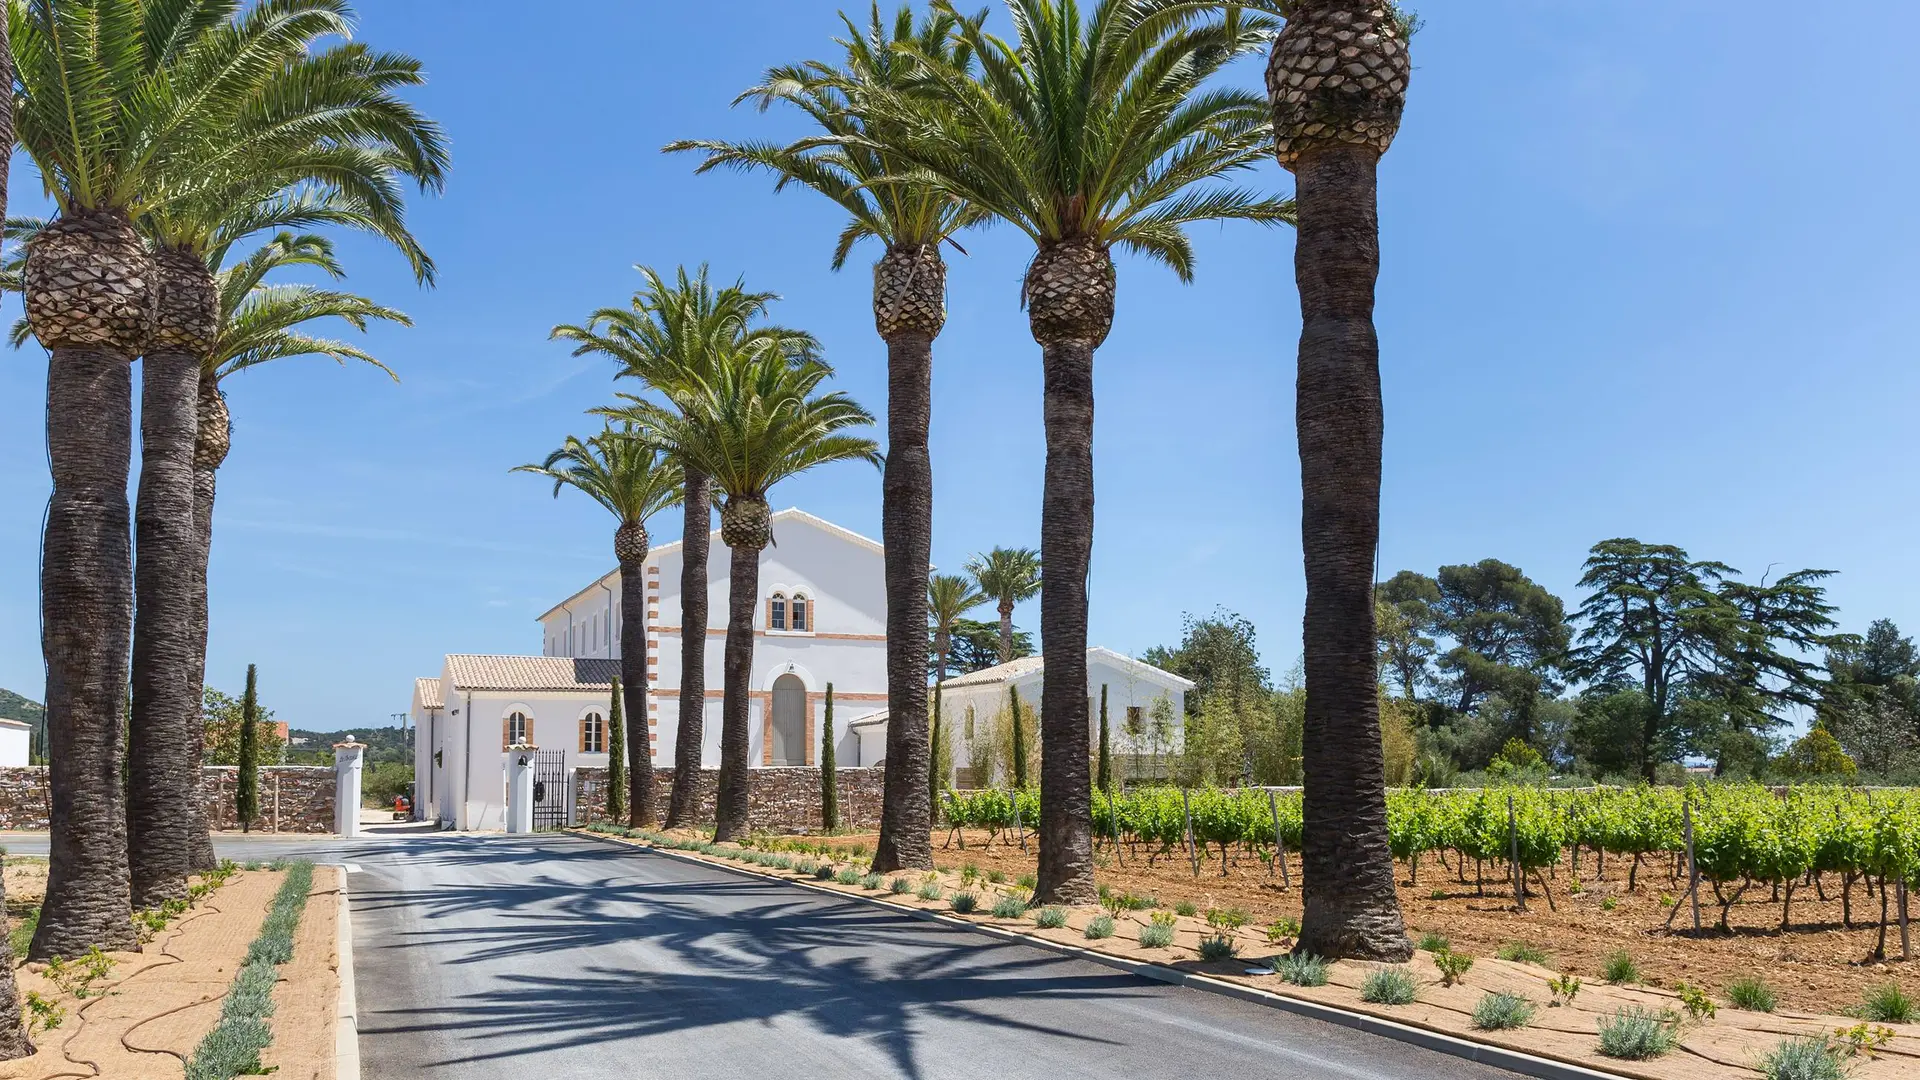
x=1695, y=1000
x=807, y=867
x=1226, y=918
x=1608, y=903
x=1027, y=881
x=1284, y=928
x=1637, y=1034
x=1888, y=1005
x=1301, y=969
x=929, y=890
x=1452, y=965
x=1520, y=952
x=1009, y=907
x=1750, y=993
x=872, y=881
x=846, y=876
x=1185, y=907
x=899, y=886
x=1100, y=927
x=1220, y=946
x=1810, y=1058
x=1157, y=935
x=1499, y=1012
x=1564, y=989
x=996, y=877
x=1619, y=968
x=969, y=874
x=1388, y=986
x=1433, y=942
x=964, y=902
x=1051, y=918
x=781, y=862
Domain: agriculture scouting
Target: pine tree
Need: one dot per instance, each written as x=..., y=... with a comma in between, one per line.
x=1019, y=740
x=246, y=796
x=1103, y=776
x=616, y=758
x=829, y=782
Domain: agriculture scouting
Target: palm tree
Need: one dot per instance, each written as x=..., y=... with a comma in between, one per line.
x=628, y=477
x=1007, y=576
x=670, y=337
x=1085, y=133
x=135, y=111
x=753, y=422
x=949, y=598
x=909, y=308
x=1338, y=81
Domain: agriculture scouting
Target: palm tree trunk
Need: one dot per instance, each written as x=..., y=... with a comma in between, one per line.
x=210, y=452
x=691, y=731
x=743, y=591
x=643, y=810
x=906, y=529
x=1069, y=290
x=13, y=1033
x=161, y=780
x=87, y=302
x=1351, y=907
x=1006, y=629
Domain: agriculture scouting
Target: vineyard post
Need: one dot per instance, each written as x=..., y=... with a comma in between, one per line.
x=1906, y=942
x=1279, y=845
x=1186, y=808
x=1513, y=849
x=1693, y=869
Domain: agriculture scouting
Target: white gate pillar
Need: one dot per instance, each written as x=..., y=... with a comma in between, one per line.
x=520, y=789
x=347, y=760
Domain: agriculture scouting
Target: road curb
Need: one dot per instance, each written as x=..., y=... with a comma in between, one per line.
x=1498, y=1057
x=346, y=1023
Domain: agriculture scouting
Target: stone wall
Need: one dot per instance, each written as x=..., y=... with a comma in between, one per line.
x=305, y=798
x=785, y=799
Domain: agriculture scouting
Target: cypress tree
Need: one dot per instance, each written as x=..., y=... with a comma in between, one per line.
x=246, y=796
x=616, y=757
x=829, y=782
x=1019, y=739
x=1104, y=774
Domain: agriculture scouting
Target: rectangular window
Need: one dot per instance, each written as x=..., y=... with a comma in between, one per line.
x=519, y=729
x=799, y=613
x=1136, y=718
x=777, y=613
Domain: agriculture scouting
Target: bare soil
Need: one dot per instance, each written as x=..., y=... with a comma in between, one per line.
x=306, y=1000
x=1818, y=964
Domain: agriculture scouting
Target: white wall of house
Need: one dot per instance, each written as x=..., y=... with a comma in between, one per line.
x=1130, y=684
x=839, y=575
x=15, y=740
x=473, y=733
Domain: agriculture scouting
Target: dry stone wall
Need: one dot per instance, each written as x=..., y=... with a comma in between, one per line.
x=785, y=799
x=293, y=798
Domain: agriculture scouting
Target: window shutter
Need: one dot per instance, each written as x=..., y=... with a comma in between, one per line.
x=530, y=739
x=583, y=734
x=506, y=731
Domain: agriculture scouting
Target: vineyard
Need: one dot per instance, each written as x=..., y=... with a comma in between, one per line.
x=1835, y=841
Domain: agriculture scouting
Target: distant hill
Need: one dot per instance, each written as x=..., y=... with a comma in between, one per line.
x=316, y=747
x=15, y=707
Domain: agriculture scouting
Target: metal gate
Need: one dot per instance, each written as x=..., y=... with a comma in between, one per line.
x=549, y=789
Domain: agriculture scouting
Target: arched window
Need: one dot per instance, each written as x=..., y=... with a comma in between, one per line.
x=516, y=729
x=789, y=721
x=799, y=619
x=777, y=612
x=593, y=734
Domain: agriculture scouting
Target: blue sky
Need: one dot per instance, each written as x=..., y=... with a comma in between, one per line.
x=1647, y=270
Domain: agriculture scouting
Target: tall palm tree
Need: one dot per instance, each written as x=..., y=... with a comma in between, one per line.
x=1338, y=81
x=1007, y=576
x=949, y=598
x=909, y=308
x=671, y=336
x=753, y=422
x=1086, y=133
x=627, y=476
x=132, y=110
x=259, y=322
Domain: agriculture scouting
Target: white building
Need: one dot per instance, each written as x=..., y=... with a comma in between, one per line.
x=16, y=737
x=978, y=697
x=820, y=618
